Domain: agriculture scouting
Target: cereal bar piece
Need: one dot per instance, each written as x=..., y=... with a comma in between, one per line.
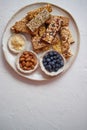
x=38, y=20
x=20, y=26
x=66, y=39
x=37, y=43
x=65, y=47
x=67, y=55
x=57, y=44
x=42, y=30
x=64, y=20
x=66, y=35
x=32, y=14
x=51, y=31
x=49, y=46
x=42, y=49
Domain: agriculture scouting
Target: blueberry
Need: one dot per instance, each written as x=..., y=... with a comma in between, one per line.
x=48, y=60
x=56, y=69
x=51, y=58
x=58, y=61
x=48, y=68
x=55, y=57
x=51, y=53
x=60, y=58
x=45, y=63
x=55, y=53
x=52, y=63
x=46, y=56
x=53, y=66
x=57, y=65
x=62, y=63
x=44, y=60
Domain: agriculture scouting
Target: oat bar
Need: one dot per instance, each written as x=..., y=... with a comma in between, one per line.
x=51, y=31
x=37, y=43
x=66, y=35
x=64, y=20
x=66, y=39
x=57, y=43
x=67, y=55
x=37, y=21
x=33, y=13
x=20, y=26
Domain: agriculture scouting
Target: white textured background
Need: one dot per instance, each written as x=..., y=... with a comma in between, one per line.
x=60, y=104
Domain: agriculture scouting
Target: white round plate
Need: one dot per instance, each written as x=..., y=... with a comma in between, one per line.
x=10, y=58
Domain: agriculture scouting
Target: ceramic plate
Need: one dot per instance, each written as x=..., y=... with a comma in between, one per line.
x=38, y=74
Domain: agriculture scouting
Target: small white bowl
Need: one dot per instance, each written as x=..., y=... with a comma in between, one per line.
x=21, y=38
x=51, y=73
x=26, y=71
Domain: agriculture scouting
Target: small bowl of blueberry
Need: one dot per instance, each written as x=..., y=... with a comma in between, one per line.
x=52, y=63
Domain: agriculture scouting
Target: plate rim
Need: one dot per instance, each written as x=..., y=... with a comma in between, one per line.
x=57, y=6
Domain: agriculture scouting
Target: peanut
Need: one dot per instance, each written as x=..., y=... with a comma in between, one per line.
x=25, y=52
x=26, y=56
x=27, y=64
x=22, y=59
x=28, y=59
x=23, y=63
x=25, y=68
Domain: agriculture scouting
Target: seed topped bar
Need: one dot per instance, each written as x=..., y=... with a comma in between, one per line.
x=66, y=35
x=20, y=26
x=64, y=20
x=51, y=31
x=33, y=13
x=37, y=43
x=37, y=21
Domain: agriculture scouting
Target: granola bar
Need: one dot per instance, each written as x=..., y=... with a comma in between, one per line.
x=51, y=31
x=37, y=43
x=32, y=14
x=66, y=39
x=57, y=44
x=38, y=20
x=20, y=26
x=67, y=55
x=64, y=20
x=66, y=35
x=42, y=30
x=42, y=49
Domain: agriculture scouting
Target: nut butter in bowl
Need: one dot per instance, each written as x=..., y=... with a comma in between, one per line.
x=27, y=61
x=17, y=43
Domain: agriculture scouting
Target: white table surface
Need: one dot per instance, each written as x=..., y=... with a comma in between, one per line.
x=60, y=104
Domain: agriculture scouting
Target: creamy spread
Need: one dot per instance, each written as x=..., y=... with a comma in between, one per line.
x=16, y=43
